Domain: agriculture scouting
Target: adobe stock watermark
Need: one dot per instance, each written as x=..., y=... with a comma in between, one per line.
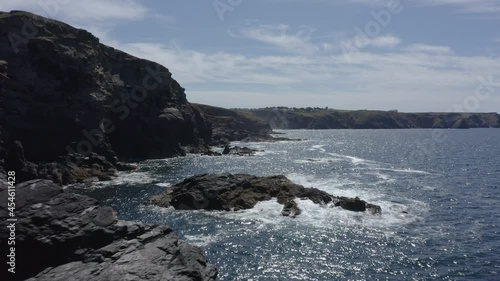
x=11, y=221
x=29, y=30
x=223, y=6
x=122, y=107
x=484, y=90
x=381, y=19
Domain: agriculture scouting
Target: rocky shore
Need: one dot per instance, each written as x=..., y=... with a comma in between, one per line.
x=230, y=192
x=64, y=236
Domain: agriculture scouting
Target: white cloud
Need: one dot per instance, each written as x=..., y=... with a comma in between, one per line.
x=279, y=36
x=397, y=79
x=386, y=41
x=462, y=6
x=468, y=6
x=423, y=48
x=309, y=72
x=78, y=11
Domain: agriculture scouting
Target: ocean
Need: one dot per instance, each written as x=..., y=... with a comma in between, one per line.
x=439, y=191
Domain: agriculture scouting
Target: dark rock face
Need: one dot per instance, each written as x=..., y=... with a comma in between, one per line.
x=230, y=125
x=70, y=169
x=64, y=236
x=357, y=205
x=236, y=192
x=63, y=93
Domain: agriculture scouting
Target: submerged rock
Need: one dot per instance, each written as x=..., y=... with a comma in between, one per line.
x=65, y=236
x=240, y=191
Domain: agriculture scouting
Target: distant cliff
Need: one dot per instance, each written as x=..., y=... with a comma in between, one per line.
x=65, y=94
x=230, y=125
x=316, y=118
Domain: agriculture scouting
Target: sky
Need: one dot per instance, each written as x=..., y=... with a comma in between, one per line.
x=409, y=55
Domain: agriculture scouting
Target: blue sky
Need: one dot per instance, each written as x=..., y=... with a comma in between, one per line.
x=427, y=55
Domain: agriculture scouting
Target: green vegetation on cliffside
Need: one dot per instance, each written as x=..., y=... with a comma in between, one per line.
x=324, y=118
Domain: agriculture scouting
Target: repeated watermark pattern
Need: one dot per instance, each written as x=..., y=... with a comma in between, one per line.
x=222, y=7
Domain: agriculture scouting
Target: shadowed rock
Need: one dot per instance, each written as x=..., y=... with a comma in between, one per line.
x=64, y=95
x=357, y=205
x=239, y=191
x=64, y=236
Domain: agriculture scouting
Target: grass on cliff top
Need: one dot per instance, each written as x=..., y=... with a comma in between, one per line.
x=250, y=115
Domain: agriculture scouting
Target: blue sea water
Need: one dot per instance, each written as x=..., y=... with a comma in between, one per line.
x=439, y=191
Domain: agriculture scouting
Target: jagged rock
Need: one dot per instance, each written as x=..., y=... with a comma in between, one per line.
x=62, y=93
x=16, y=161
x=65, y=236
x=3, y=174
x=352, y=204
x=239, y=151
x=121, y=166
x=291, y=209
x=357, y=205
x=237, y=192
x=67, y=170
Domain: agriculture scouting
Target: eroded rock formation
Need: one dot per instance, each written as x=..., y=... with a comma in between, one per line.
x=237, y=192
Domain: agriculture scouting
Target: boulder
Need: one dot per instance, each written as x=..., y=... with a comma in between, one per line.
x=357, y=205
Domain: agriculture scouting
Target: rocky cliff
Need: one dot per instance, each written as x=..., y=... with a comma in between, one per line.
x=64, y=94
x=230, y=125
x=310, y=118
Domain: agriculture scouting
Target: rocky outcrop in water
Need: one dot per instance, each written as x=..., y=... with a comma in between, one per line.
x=64, y=236
x=238, y=192
x=64, y=96
x=239, y=151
